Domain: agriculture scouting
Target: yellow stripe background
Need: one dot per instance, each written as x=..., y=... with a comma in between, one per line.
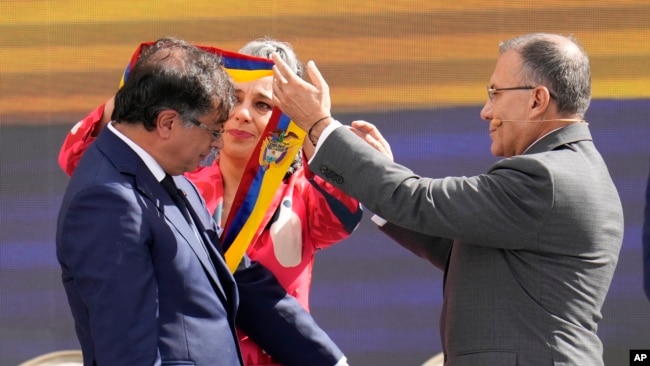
x=59, y=59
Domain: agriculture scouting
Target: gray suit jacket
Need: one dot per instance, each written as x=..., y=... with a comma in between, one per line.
x=535, y=243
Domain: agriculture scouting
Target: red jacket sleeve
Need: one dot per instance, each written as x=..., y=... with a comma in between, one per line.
x=82, y=134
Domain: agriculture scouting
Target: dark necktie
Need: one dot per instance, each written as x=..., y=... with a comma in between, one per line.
x=176, y=194
x=181, y=202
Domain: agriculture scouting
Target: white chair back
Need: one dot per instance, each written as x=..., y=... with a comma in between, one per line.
x=56, y=358
x=436, y=360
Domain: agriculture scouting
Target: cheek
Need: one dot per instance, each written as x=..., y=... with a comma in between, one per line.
x=203, y=142
x=261, y=118
x=501, y=136
x=261, y=121
x=505, y=134
x=511, y=139
x=229, y=122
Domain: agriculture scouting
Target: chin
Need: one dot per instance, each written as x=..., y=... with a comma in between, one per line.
x=245, y=148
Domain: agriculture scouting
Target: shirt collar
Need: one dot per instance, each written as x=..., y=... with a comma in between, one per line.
x=148, y=160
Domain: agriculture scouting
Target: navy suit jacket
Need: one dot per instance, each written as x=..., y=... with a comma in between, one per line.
x=143, y=290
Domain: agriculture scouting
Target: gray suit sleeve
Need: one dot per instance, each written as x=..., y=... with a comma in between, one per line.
x=503, y=208
x=433, y=249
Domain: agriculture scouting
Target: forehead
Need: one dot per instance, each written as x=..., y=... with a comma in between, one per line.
x=507, y=69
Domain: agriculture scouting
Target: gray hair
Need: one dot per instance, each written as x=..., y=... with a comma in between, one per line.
x=558, y=63
x=264, y=47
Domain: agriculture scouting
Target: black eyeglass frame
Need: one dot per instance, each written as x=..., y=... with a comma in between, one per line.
x=216, y=135
x=491, y=91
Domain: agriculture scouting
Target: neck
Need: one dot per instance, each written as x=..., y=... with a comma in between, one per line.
x=140, y=136
x=153, y=144
x=232, y=171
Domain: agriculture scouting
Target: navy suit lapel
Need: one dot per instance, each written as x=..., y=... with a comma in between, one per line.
x=177, y=220
x=128, y=162
x=213, y=246
x=212, y=242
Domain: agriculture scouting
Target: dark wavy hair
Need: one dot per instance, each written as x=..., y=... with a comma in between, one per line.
x=174, y=74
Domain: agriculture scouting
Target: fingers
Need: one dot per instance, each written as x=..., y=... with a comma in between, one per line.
x=321, y=85
x=366, y=127
x=369, y=133
x=281, y=71
x=369, y=129
x=316, y=77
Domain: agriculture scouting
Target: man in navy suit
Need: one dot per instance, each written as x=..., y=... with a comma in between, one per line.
x=142, y=264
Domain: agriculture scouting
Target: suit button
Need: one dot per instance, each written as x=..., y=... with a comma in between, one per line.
x=330, y=174
x=324, y=170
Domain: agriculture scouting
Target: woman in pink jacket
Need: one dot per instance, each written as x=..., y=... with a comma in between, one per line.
x=306, y=214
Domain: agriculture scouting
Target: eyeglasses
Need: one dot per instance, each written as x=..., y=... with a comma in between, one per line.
x=216, y=135
x=491, y=91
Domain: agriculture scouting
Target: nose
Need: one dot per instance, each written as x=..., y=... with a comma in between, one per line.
x=241, y=113
x=486, y=112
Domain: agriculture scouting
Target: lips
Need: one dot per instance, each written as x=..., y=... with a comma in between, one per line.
x=240, y=134
x=492, y=134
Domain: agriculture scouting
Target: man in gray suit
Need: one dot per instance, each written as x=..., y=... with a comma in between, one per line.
x=528, y=248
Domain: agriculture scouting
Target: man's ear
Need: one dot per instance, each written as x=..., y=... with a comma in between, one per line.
x=165, y=122
x=540, y=101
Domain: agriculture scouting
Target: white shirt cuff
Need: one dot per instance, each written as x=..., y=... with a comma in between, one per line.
x=378, y=220
x=323, y=136
x=342, y=362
